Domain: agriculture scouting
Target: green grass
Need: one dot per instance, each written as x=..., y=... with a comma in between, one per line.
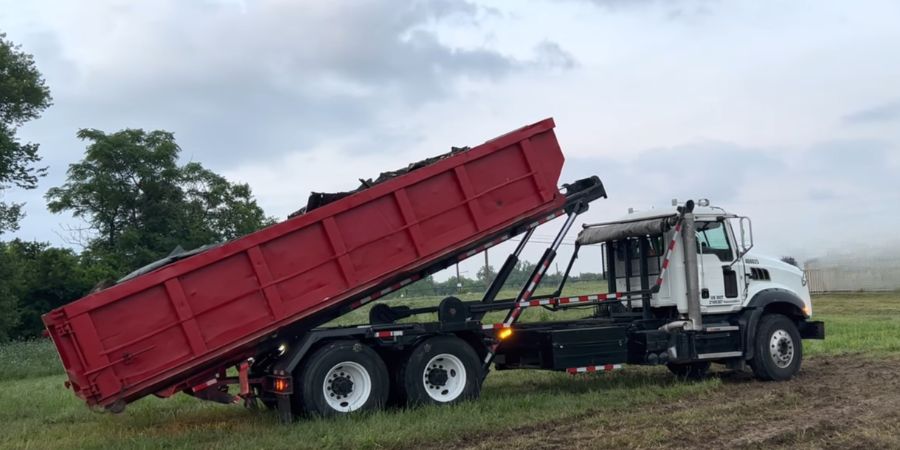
x=28, y=359
x=857, y=323
x=38, y=412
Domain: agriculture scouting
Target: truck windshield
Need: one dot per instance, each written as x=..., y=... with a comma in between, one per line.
x=712, y=239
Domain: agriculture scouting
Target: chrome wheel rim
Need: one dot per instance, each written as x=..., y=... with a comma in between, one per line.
x=781, y=348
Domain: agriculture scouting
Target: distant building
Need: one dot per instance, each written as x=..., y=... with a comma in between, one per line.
x=863, y=270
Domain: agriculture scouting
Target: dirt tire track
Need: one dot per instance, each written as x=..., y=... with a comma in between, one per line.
x=834, y=402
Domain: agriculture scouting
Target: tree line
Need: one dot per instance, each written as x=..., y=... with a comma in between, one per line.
x=517, y=278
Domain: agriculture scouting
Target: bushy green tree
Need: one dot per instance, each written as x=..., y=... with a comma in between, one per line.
x=140, y=203
x=486, y=274
x=48, y=278
x=218, y=209
x=10, y=289
x=23, y=96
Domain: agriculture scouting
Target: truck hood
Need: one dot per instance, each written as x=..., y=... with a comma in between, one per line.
x=783, y=276
x=771, y=262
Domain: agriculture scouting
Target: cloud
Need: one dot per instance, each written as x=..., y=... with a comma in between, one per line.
x=850, y=158
x=550, y=54
x=799, y=199
x=712, y=169
x=886, y=112
x=232, y=80
x=681, y=9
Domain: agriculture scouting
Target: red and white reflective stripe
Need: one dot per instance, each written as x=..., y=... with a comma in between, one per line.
x=587, y=298
x=494, y=326
x=546, y=219
x=532, y=303
x=588, y=369
x=516, y=312
x=535, y=280
x=505, y=237
x=388, y=334
x=669, y=251
x=383, y=292
x=205, y=385
x=526, y=296
x=525, y=302
x=482, y=248
x=569, y=300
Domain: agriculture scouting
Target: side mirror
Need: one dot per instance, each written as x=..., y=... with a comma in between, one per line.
x=746, y=237
x=746, y=234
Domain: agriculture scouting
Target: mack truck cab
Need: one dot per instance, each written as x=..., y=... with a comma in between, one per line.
x=757, y=307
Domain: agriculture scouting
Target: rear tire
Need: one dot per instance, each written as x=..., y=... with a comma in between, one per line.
x=690, y=371
x=778, y=350
x=441, y=370
x=340, y=378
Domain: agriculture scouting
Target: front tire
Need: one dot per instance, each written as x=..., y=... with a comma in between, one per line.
x=778, y=350
x=341, y=378
x=441, y=370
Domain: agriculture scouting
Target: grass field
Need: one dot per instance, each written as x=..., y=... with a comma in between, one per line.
x=38, y=412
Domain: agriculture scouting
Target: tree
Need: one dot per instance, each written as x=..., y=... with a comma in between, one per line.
x=49, y=277
x=225, y=209
x=23, y=96
x=790, y=260
x=520, y=274
x=10, y=288
x=139, y=204
x=486, y=274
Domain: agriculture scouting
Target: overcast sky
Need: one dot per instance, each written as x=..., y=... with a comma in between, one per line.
x=785, y=111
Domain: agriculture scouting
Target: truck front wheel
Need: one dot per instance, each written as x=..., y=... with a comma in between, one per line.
x=340, y=378
x=779, y=350
x=441, y=370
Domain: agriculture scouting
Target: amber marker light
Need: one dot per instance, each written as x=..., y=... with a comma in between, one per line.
x=281, y=385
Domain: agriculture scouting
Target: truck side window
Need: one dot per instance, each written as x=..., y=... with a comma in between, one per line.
x=711, y=238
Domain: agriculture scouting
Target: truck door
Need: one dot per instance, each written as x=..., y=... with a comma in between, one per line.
x=719, y=287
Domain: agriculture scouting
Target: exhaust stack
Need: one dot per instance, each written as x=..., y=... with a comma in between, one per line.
x=689, y=238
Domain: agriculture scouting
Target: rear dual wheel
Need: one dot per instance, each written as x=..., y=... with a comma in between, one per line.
x=340, y=378
x=440, y=370
x=348, y=376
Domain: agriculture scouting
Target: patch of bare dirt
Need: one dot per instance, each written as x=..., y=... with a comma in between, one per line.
x=834, y=402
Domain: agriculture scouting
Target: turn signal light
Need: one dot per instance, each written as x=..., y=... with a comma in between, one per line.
x=504, y=333
x=281, y=385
